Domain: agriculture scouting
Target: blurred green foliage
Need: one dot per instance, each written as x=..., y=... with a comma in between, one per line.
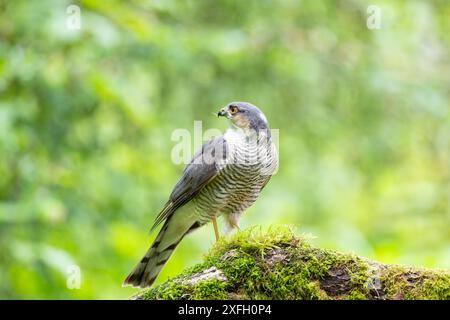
x=86, y=118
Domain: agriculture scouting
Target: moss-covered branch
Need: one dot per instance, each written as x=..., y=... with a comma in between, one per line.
x=280, y=265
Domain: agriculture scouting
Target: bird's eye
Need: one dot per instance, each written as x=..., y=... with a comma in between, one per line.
x=233, y=109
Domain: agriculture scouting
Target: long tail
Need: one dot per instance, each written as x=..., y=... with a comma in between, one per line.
x=170, y=235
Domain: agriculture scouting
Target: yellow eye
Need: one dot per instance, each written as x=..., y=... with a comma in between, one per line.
x=233, y=110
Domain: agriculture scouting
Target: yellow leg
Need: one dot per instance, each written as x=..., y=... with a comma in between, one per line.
x=216, y=229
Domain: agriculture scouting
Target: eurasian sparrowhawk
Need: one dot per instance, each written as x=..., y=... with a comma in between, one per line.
x=224, y=178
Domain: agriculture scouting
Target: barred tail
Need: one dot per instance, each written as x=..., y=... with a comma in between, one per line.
x=146, y=271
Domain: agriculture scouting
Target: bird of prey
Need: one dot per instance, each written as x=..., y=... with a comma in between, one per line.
x=224, y=178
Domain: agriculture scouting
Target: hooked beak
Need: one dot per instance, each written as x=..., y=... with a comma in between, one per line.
x=221, y=113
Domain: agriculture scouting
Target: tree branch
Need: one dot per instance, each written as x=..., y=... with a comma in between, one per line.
x=277, y=264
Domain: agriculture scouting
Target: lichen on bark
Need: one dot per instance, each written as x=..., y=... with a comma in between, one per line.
x=278, y=264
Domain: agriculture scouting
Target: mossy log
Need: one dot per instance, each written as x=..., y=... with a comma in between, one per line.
x=278, y=264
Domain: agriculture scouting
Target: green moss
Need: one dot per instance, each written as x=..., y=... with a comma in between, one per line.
x=246, y=267
x=278, y=264
x=356, y=295
x=210, y=289
x=436, y=287
x=172, y=290
x=255, y=241
x=359, y=279
x=406, y=283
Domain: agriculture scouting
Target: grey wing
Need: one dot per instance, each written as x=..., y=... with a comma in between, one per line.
x=204, y=166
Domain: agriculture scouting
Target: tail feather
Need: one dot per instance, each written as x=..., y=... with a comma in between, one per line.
x=148, y=269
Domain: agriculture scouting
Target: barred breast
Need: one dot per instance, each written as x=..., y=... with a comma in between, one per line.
x=251, y=161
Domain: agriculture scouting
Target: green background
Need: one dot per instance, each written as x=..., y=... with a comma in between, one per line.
x=86, y=118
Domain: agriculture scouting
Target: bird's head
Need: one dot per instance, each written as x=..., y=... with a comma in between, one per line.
x=244, y=115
